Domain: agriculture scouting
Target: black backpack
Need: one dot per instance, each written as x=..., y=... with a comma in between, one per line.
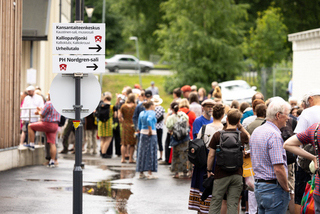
x=197, y=151
x=229, y=152
x=103, y=112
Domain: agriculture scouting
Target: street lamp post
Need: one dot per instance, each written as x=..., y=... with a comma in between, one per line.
x=137, y=48
x=89, y=11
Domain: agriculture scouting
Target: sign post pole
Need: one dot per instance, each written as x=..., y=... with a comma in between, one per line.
x=78, y=51
x=77, y=171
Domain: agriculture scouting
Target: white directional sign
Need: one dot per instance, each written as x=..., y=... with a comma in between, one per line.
x=78, y=38
x=78, y=64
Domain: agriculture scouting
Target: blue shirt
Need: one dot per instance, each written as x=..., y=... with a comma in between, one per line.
x=246, y=114
x=266, y=148
x=198, y=123
x=147, y=118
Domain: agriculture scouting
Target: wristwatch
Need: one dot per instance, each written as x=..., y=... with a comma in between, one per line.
x=209, y=170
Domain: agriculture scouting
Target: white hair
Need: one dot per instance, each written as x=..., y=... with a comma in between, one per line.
x=277, y=104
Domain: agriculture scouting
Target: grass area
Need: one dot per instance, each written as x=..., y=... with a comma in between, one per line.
x=115, y=83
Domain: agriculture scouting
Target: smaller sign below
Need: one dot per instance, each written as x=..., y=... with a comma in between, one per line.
x=78, y=64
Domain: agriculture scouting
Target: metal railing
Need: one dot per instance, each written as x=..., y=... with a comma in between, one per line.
x=38, y=137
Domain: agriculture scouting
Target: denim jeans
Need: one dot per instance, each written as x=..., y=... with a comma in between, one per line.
x=271, y=198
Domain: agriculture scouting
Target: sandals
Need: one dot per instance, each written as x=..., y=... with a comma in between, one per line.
x=176, y=176
x=132, y=161
x=123, y=161
x=142, y=176
x=151, y=177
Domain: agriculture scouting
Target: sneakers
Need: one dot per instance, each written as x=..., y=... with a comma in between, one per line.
x=51, y=165
x=31, y=147
x=64, y=151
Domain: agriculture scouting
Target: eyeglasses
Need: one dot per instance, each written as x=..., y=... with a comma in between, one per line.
x=283, y=113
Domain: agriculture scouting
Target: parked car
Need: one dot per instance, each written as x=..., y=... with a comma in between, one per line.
x=121, y=61
x=236, y=90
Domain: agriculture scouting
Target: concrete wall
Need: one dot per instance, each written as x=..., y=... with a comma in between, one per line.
x=306, y=63
x=21, y=156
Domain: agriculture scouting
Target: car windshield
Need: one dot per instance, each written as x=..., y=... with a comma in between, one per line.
x=236, y=87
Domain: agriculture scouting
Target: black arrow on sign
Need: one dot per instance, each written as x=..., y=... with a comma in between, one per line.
x=98, y=48
x=94, y=66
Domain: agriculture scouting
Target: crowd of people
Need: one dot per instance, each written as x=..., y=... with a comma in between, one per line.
x=263, y=129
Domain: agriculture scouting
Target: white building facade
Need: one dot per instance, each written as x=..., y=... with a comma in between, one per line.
x=306, y=63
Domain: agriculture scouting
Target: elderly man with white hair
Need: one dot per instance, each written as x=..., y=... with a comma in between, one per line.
x=269, y=160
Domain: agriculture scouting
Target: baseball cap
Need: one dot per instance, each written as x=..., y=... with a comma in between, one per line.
x=310, y=94
x=186, y=88
x=148, y=93
x=208, y=102
x=137, y=86
x=152, y=83
x=30, y=88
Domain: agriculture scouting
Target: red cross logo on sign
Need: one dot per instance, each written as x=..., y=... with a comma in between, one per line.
x=63, y=67
x=98, y=38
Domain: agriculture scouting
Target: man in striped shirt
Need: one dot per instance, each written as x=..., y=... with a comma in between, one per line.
x=269, y=161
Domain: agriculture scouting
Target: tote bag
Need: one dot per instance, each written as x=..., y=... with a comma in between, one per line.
x=307, y=202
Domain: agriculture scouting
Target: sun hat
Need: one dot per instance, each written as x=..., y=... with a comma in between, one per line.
x=157, y=100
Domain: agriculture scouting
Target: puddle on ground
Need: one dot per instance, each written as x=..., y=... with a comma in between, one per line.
x=117, y=187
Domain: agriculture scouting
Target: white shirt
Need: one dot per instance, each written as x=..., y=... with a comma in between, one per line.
x=154, y=90
x=34, y=102
x=308, y=117
x=246, y=122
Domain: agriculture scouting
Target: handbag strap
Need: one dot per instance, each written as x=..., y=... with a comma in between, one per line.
x=316, y=146
x=203, y=131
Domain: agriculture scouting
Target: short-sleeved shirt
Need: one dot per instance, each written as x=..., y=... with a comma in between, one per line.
x=266, y=149
x=308, y=117
x=49, y=113
x=307, y=137
x=215, y=140
x=159, y=112
x=197, y=124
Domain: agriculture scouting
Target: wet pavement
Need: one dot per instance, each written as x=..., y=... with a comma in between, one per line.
x=109, y=187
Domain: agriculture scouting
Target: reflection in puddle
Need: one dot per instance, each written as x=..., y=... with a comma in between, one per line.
x=45, y=180
x=117, y=188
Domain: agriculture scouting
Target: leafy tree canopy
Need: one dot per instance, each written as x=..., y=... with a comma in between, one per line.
x=266, y=44
x=202, y=39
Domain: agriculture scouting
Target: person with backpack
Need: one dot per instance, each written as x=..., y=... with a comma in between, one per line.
x=184, y=106
x=227, y=146
x=105, y=112
x=197, y=189
x=177, y=124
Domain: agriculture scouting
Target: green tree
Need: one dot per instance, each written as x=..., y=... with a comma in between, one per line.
x=266, y=44
x=141, y=19
x=202, y=40
x=114, y=28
